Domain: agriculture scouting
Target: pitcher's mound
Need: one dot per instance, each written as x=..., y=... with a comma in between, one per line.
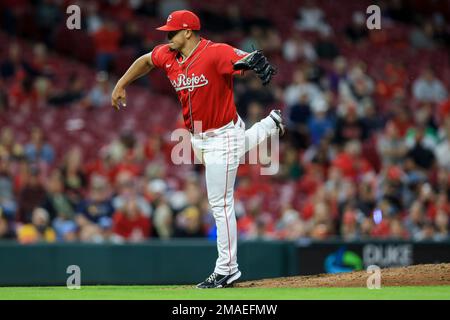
x=418, y=275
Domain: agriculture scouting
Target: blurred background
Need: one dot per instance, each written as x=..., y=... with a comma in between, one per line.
x=366, y=156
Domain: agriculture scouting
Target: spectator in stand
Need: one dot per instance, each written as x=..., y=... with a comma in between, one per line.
x=442, y=114
x=120, y=146
x=321, y=226
x=366, y=228
x=6, y=230
x=93, y=19
x=23, y=94
x=325, y=47
x=257, y=223
x=153, y=148
x=442, y=150
x=313, y=72
x=351, y=161
x=73, y=175
x=189, y=223
x=442, y=224
x=38, y=229
x=8, y=203
x=366, y=199
x=393, y=80
x=299, y=115
x=423, y=119
x=428, y=232
x=421, y=37
x=99, y=96
x=349, y=225
x=358, y=88
x=47, y=16
x=130, y=165
x=291, y=168
x=321, y=154
x=234, y=20
x=401, y=118
x=415, y=220
x=40, y=64
x=272, y=43
x=93, y=215
x=428, y=88
x=397, y=230
x=162, y=217
x=296, y=48
x=148, y=8
x=38, y=150
x=127, y=189
x=56, y=202
x=168, y=6
x=439, y=202
x=290, y=226
x=319, y=125
x=391, y=192
x=422, y=156
x=253, y=40
x=214, y=20
x=398, y=10
x=338, y=74
x=299, y=87
x=391, y=147
x=8, y=145
x=31, y=196
x=4, y=103
x=106, y=40
x=254, y=114
x=9, y=16
x=21, y=173
x=373, y=120
x=254, y=92
x=357, y=31
x=311, y=18
x=350, y=127
x=133, y=38
x=441, y=33
x=260, y=18
x=130, y=224
x=74, y=92
x=14, y=65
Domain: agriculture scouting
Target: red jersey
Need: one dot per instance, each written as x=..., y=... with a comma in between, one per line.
x=203, y=82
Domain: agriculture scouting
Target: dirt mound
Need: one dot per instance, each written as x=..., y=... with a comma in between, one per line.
x=418, y=275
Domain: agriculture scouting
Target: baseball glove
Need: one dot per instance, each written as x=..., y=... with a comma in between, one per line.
x=257, y=62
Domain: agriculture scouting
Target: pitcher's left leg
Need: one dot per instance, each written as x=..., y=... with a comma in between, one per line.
x=221, y=164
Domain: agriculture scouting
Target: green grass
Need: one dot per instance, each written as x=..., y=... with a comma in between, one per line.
x=190, y=293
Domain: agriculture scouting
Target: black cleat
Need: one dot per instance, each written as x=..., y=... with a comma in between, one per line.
x=216, y=280
x=278, y=119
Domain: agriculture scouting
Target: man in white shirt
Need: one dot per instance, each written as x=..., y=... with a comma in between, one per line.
x=428, y=88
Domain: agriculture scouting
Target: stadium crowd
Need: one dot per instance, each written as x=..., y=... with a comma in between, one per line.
x=367, y=153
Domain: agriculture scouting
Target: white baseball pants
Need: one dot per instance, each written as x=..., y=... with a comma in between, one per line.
x=220, y=151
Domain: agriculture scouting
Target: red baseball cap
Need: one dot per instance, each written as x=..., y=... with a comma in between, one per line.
x=182, y=19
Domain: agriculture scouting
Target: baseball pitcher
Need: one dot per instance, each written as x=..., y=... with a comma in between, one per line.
x=201, y=73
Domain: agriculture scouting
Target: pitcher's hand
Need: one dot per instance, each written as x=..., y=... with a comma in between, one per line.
x=118, y=97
